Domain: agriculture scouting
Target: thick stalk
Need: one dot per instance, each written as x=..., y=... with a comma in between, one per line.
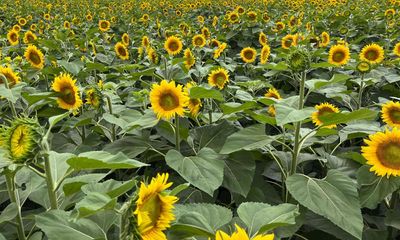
x=297, y=138
x=177, y=135
x=14, y=198
x=50, y=184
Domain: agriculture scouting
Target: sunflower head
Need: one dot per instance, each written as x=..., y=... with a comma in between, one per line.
x=325, y=39
x=21, y=140
x=29, y=37
x=145, y=41
x=104, y=25
x=218, y=78
x=391, y=114
x=121, y=51
x=363, y=67
x=265, y=52
x=262, y=39
x=13, y=37
x=248, y=54
x=173, y=45
x=34, y=56
x=288, y=41
x=383, y=152
x=372, y=53
x=94, y=97
x=299, y=60
x=189, y=58
x=154, y=208
x=11, y=77
x=219, y=50
x=396, y=49
x=339, y=55
x=199, y=40
x=322, y=109
x=240, y=234
x=69, y=97
x=272, y=93
x=194, y=104
x=152, y=55
x=125, y=39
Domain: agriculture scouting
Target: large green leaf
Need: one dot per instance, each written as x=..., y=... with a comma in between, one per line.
x=103, y=160
x=337, y=118
x=233, y=107
x=286, y=114
x=334, y=197
x=262, y=217
x=212, y=136
x=94, y=202
x=9, y=213
x=59, y=166
x=204, y=171
x=201, y=92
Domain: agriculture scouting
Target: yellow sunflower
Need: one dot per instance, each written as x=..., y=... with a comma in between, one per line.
x=325, y=39
x=383, y=152
x=93, y=97
x=248, y=54
x=288, y=41
x=154, y=208
x=214, y=43
x=10, y=75
x=218, y=78
x=34, y=56
x=396, y=49
x=280, y=26
x=189, y=58
x=339, y=55
x=265, y=52
x=125, y=39
x=16, y=28
x=206, y=32
x=262, y=39
x=219, y=50
x=272, y=93
x=145, y=41
x=322, y=109
x=67, y=25
x=194, y=104
x=13, y=37
x=233, y=17
x=240, y=234
x=104, y=25
x=199, y=40
x=68, y=98
x=22, y=21
x=152, y=55
x=372, y=53
x=173, y=45
x=167, y=99
x=29, y=37
x=121, y=51
x=391, y=114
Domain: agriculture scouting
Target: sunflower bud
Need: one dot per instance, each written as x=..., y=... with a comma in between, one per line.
x=21, y=140
x=299, y=60
x=364, y=67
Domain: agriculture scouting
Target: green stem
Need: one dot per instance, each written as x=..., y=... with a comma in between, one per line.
x=50, y=184
x=297, y=138
x=393, y=203
x=111, y=112
x=361, y=92
x=13, y=194
x=177, y=136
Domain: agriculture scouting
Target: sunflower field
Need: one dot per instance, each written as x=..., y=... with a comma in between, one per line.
x=199, y=120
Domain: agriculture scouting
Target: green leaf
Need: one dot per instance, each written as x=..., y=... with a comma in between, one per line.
x=103, y=160
x=58, y=165
x=212, y=135
x=234, y=107
x=201, y=92
x=338, y=118
x=9, y=213
x=322, y=65
x=250, y=138
x=286, y=114
x=200, y=219
x=12, y=94
x=74, y=184
x=335, y=197
x=110, y=187
x=315, y=84
x=94, y=202
x=56, y=224
x=204, y=171
x=281, y=66
x=72, y=67
x=373, y=189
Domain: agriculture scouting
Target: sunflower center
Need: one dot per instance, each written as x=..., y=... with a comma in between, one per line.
x=288, y=43
x=248, y=55
x=169, y=101
x=121, y=51
x=220, y=79
x=68, y=95
x=395, y=115
x=35, y=58
x=103, y=25
x=173, y=46
x=14, y=37
x=371, y=55
x=324, y=111
x=389, y=155
x=338, y=56
x=199, y=41
x=153, y=209
x=30, y=38
x=194, y=101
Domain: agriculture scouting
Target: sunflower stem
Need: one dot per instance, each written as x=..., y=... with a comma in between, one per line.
x=50, y=184
x=297, y=138
x=111, y=112
x=393, y=203
x=14, y=198
x=177, y=136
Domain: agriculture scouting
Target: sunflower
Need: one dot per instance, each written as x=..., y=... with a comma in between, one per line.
x=219, y=50
x=67, y=25
x=325, y=39
x=248, y=54
x=22, y=21
x=339, y=55
x=233, y=17
x=68, y=98
x=34, y=56
x=46, y=16
x=189, y=58
x=29, y=37
x=121, y=51
x=173, y=45
x=272, y=93
x=280, y=26
x=16, y=28
x=396, y=49
x=145, y=41
x=214, y=43
x=93, y=97
x=125, y=39
x=218, y=78
x=10, y=75
x=199, y=40
x=288, y=41
x=322, y=109
x=104, y=25
x=265, y=52
x=240, y=234
x=372, y=53
x=363, y=67
x=152, y=55
x=154, y=208
x=13, y=37
x=262, y=39
x=89, y=17
x=391, y=114
x=252, y=15
x=206, y=32
x=167, y=99
x=194, y=104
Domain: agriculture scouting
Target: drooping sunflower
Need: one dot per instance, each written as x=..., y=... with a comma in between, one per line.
x=154, y=208
x=189, y=58
x=322, y=109
x=125, y=39
x=10, y=75
x=396, y=49
x=93, y=97
x=325, y=39
x=372, y=53
x=391, y=114
x=240, y=234
x=29, y=37
x=67, y=25
x=363, y=67
x=145, y=41
x=13, y=37
x=194, y=104
x=68, y=98
x=288, y=41
x=167, y=99
x=121, y=51
x=280, y=26
x=199, y=40
x=152, y=55
x=272, y=93
x=104, y=25
x=248, y=54
x=265, y=52
x=339, y=55
x=383, y=152
x=206, y=32
x=219, y=50
x=34, y=56
x=262, y=39
x=252, y=15
x=214, y=43
x=218, y=78
x=173, y=45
